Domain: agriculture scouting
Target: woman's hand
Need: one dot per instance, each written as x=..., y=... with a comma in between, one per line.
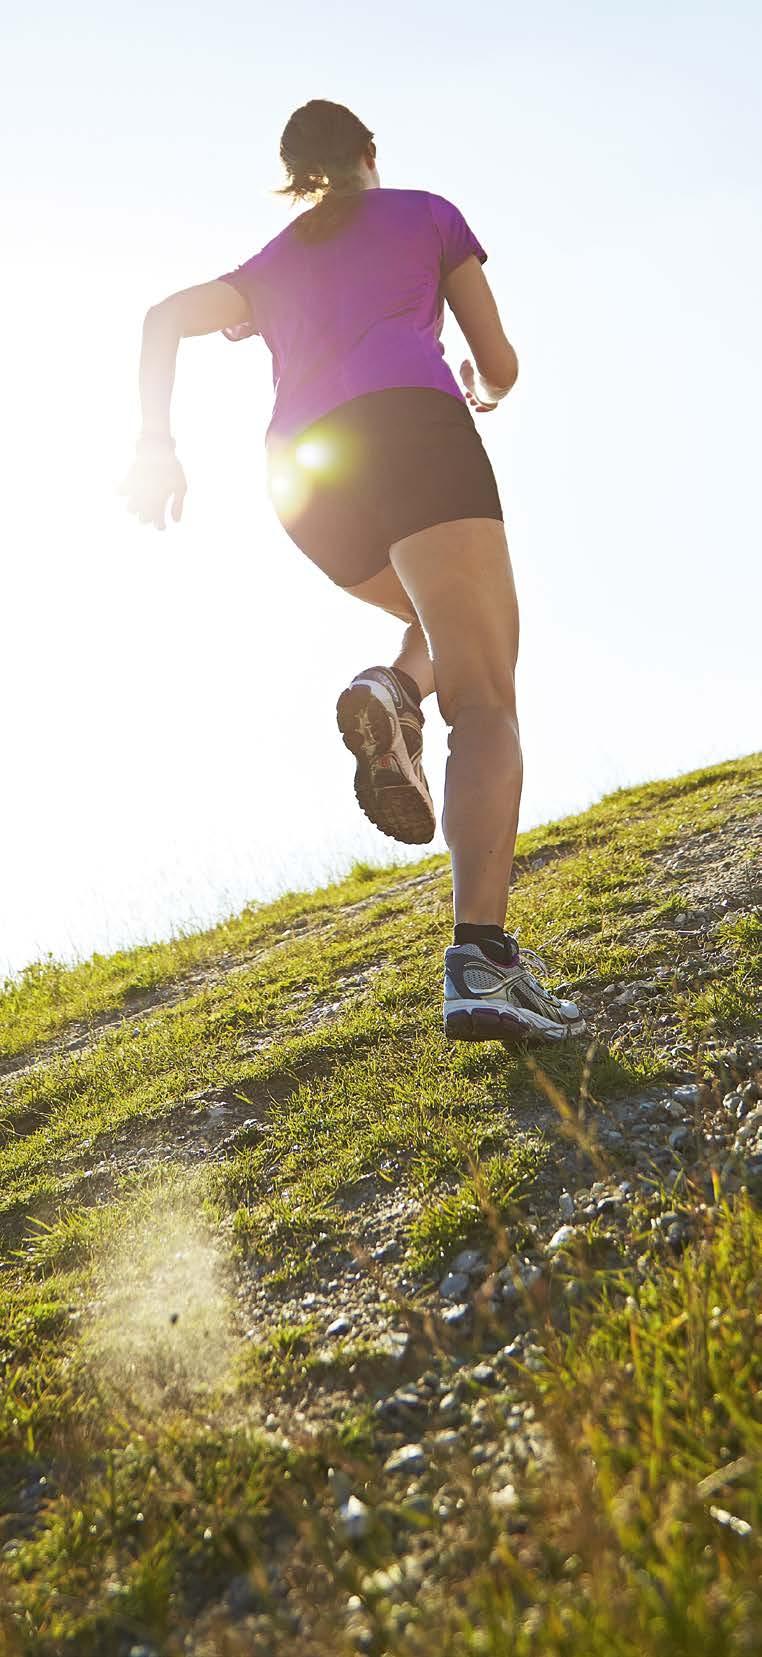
x=155, y=477
x=468, y=376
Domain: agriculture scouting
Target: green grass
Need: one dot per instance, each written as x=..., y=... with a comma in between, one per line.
x=160, y=1484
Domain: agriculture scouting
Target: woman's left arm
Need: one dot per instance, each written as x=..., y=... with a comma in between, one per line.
x=156, y=475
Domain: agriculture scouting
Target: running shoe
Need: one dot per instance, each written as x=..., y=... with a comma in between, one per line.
x=382, y=726
x=484, y=1001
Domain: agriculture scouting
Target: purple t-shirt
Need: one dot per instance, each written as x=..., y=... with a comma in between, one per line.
x=361, y=311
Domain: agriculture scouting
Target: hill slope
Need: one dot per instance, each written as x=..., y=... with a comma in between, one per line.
x=317, y=1333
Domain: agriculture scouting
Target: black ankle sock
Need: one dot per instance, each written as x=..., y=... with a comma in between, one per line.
x=491, y=939
x=408, y=684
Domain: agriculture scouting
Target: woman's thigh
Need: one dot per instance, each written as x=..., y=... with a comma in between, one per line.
x=387, y=592
x=459, y=578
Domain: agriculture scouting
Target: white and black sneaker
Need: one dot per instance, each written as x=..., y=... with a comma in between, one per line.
x=489, y=1001
x=382, y=725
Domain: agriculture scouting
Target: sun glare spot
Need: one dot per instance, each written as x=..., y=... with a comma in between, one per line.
x=313, y=454
x=290, y=489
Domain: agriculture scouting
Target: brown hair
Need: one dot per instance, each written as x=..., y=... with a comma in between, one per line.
x=321, y=147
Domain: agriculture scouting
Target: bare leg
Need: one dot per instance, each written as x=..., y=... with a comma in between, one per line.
x=414, y=658
x=386, y=591
x=459, y=578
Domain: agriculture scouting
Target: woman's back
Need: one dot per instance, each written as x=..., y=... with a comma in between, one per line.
x=360, y=310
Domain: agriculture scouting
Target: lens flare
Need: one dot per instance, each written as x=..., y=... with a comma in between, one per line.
x=290, y=487
x=314, y=454
x=295, y=471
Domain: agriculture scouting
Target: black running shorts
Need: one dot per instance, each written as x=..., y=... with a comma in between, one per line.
x=376, y=469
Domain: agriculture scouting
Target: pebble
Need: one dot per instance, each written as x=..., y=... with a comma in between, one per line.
x=453, y=1286
x=682, y=1140
x=468, y=1261
x=740, y=1526
x=448, y=1438
x=566, y=1206
x=633, y=992
x=564, y=1235
x=691, y=1095
x=410, y=1458
x=506, y=1499
x=666, y=1220
x=457, y=1316
x=355, y=1518
x=340, y=1326
x=393, y=1344
x=750, y=1093
x=401, y=1402
x=485, y=1375
x=750, y=1126
x=449, y=1405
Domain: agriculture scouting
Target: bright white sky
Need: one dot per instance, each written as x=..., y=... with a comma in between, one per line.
x=170, y=747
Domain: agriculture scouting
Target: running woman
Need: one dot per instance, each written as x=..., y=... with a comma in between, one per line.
x=377, y=472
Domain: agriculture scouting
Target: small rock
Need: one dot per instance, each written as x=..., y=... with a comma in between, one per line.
x=355, y=1518
x=485, y=1375
x=561, y=1238
x=340, y=1326
x=750, y=1126
x=750, y=1094
x=732, y=1100
x=449, y=1405
x=393, y=1344
x=627, y=997
x=399, y=1403
x=506, y=1499
x=453, y=1286
x=566, y=1206
x=410, y=1458
x=511, y=1354
x=691, y=1095
x=457, y=1316
x=448, y=1439
x=682, y=1140
x=666, y=1220
x=468, y=1261
x=740, y=1526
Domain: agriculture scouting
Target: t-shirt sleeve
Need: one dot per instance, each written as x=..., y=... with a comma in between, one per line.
x=456, y=237
x=245, y=278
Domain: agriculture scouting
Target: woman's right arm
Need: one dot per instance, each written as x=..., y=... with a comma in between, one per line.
x=472, y=303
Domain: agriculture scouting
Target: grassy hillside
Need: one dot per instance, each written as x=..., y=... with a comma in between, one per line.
x=319, y=1335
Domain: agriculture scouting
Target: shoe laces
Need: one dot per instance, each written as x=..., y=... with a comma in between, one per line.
x=530, y=955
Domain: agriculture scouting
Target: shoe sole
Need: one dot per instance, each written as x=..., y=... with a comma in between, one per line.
x=501, y=1024
x=372, y=733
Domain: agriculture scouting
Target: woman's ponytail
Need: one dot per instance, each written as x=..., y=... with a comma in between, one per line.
x=321, y=148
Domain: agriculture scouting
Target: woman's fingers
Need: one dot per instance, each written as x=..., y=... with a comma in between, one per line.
x=181, y=490
x=150, y=487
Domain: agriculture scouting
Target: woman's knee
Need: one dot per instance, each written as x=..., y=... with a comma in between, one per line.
x=460, y=578
x=491, y=689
